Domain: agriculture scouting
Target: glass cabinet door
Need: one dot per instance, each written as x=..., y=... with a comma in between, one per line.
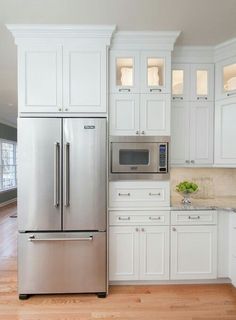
x=202, y=81
x=180, y=82
x=155, y=77
x=124, y=73
x=229, y=78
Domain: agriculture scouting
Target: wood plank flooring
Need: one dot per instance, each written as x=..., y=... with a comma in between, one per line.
x=172, y=302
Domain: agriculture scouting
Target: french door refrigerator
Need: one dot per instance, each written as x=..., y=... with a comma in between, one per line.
x=62, y=206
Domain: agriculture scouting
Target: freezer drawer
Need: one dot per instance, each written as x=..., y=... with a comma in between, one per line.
x=62, y=262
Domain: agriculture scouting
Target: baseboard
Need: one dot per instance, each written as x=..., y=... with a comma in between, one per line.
x=168, y=282
x=3, y=204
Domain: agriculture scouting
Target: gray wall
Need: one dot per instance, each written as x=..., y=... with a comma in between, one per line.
x=8, y=133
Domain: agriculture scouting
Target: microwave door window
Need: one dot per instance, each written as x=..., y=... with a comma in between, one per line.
x=133, y=157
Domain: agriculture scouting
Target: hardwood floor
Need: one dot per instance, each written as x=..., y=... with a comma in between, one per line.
x=172, y=302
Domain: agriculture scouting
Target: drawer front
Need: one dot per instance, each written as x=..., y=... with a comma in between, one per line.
x=139, y=218
x=136, y=194
x=193, y=217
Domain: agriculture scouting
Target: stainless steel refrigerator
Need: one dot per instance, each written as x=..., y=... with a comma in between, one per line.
x=62, y=206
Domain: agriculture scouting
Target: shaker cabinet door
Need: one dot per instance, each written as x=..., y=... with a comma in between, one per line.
x=40, y=78
x=84, y=78
x=154, y=253
x=155, y=114
x=124, y=253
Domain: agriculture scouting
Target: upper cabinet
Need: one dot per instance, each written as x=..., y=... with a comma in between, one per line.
x=62, y=68
x=193, y=82
x=226, y=78
x=155, y=72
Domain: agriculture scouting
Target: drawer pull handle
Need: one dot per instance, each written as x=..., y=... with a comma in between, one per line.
x=124, y=218
x=154, y=218
x=33, y=239
x=194, y=217
x=173, y=229
x=123, y=194
x=154, y=194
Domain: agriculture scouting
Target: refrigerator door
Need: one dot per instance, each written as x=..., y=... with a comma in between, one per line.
x=39, y=143
x=84, y=194
x=62, y=262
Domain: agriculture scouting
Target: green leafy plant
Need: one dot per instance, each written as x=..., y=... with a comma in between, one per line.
x=187, y=187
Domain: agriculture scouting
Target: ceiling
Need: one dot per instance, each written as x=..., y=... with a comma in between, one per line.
x=202, y=22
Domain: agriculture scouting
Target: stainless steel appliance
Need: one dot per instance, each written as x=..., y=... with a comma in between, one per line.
x=139, y=158
x=62, y=206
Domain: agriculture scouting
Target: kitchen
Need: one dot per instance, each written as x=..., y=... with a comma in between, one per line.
x=126, y=166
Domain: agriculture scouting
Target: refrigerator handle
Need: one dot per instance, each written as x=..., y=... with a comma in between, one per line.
x=67, y=174
x=56, y=173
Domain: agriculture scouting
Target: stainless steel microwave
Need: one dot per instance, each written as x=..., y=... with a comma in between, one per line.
x=139, y=157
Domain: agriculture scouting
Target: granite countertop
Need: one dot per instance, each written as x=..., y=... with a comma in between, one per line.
x=219, y=203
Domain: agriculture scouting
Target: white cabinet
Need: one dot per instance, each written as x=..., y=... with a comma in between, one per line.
x=155, y=114
x=124, y=114
x=154, y=253
x=225, y=78
x=193, y=82
x=138, y=253
x=193, y=252
x=145, y=114
x=40, y=78
x=84, y=78
x=192, y=133
x=62, y=69
x=225, y=132
x=155, y=72
x=123, y=253
x=124, y=71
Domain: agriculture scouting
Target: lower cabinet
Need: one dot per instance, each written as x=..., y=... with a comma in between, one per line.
x=138, y=253
x=193, y=252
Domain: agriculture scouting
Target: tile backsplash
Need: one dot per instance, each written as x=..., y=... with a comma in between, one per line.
x=212, y=182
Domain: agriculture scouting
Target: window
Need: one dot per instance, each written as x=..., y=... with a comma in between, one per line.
x=8, y=162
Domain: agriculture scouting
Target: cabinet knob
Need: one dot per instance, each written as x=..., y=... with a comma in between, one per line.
x=66, y=109
x=142, y=229
x=187, y=161
x=137, y=229
x=143, y=132
x=173, y=229
x=192, y=161
x=59, y=109
x=137, y=132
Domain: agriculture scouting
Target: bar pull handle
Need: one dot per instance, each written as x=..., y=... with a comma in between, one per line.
x=202, y=98
x=177, y=98
x=124, y=90
x=231, y=94
x=56, y=174
x=194, y=217
x=154, y=194
x=154, y=218
x=124, y=194
x=67, y=174
x=155, y=89
x=124, y=218
x=33, y=239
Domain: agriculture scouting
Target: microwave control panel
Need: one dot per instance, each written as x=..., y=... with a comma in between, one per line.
x=163, y=157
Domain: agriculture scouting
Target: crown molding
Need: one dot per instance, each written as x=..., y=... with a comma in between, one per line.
x=225, y=50
x=193, y=54
x=163, y=40
x=48, y=31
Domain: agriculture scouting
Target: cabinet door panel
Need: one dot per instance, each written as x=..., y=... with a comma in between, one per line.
x=180, y=82
x=225, y=132
x=225, y=78
x=193, y=252
x=40, y=78
x=123, y=253
x=201, y=133
x=155, y=114
x=84, y=79
x=124, y=114
x=155, y=72
x=154, y=253
x=180, y=133
x=202, y=82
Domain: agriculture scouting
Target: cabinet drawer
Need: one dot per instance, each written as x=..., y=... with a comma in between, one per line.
x=193, y=217
x=139, y=194
x=139, y=217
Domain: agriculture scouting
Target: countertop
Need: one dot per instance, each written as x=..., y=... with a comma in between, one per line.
x=219, y=203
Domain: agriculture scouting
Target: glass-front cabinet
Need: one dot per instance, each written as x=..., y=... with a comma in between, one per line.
x=154, y=75
x=124, y=72
x=226, y=78
x=180, y=82
x=202, y=82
